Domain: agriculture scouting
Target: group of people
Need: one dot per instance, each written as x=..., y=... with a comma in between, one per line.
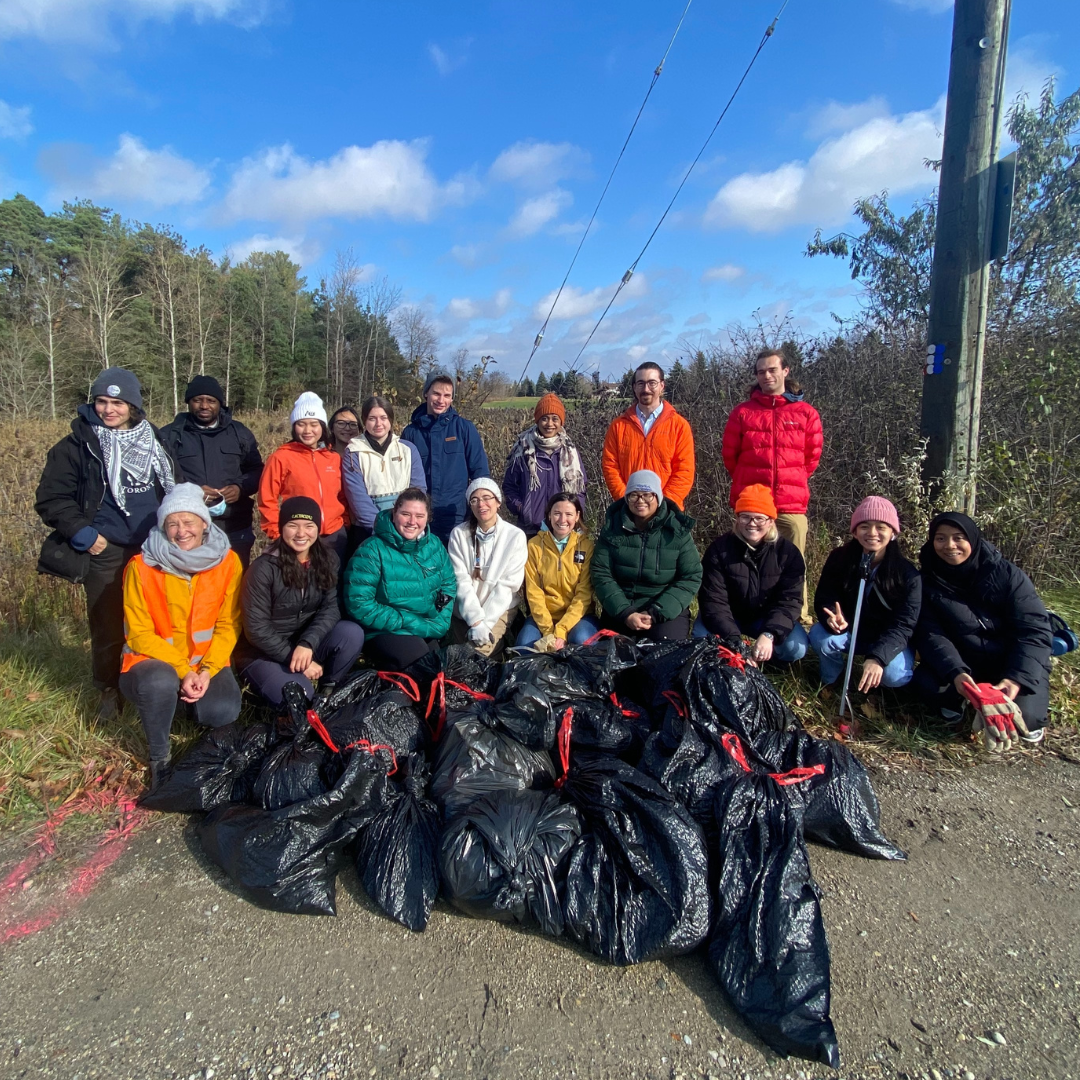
x=389, y=545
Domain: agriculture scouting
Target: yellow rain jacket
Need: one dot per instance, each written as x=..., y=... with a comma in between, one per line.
x=197, y=627
x=558, y=585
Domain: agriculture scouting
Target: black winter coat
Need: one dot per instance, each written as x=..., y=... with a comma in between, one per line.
x=743, y=588
x=276, y=618
x=887, y=622
x=218, y=457
x=71, y=490
x=997, y=627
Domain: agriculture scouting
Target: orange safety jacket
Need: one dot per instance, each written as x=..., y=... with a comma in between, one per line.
x=210, y=591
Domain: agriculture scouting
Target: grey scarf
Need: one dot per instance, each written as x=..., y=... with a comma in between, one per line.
x=137, y=452
x=571, y=477
x=158, y=551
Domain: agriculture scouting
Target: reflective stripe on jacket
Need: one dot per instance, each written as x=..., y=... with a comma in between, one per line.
x=161, y=608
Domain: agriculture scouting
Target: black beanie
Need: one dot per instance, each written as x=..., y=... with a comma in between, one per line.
x=204, y=384
x=299, y=508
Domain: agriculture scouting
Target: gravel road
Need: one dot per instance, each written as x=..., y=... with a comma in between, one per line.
x=963, y=962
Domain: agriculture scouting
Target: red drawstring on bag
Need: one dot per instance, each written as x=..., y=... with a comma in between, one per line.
x=676, y=699
x=601, y=634
x=372, y=749
x=439, y=685
x=734, y=746
x=562, y=744
x=320, y=729
x=734, y=659
x=405, y=683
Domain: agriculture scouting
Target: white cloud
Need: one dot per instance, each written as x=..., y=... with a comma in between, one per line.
x=447, y=61
x=1027, y=69
x=538, y=164
x=835, y=116
x=533, y=214
x=465, y=307
x=884, y=153
x=636, y=352
x=87, y=21
x=135, y=173
x=299, y=249
x=727, y=272
x=390, y=177
x=14, y=122
x=575, y=304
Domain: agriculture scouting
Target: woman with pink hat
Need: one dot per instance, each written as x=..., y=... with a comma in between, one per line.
x=890, y=607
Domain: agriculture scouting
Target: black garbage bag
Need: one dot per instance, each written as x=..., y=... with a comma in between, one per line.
x=220, y=768
x=613, y=724
x=365, y=683
x=684, y=762
x=397, y=854
x=636, y=884
x=577, y=671
x=768, y=947
x=503, y=857
x=475, y=759
x=301, y=766
x=287, y=859
x=451, y=680
x=658, y=670
x=386, y=719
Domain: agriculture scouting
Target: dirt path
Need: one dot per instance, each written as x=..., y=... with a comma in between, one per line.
x=162, y=971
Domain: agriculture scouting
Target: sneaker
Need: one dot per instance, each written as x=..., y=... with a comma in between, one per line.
x=1033, y=737
x=109, y=706
x=952, y=715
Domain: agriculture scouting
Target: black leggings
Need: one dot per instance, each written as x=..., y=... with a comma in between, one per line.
x=395, y=652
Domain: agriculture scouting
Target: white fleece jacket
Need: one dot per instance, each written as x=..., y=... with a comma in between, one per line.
x=481, y=601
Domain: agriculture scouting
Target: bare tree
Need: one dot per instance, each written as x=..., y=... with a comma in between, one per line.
x=342, y=302
x=166, y=273
x=417, y=338
x=380, y=298
x=48, y=303
x=204, y=305
x=101, y=293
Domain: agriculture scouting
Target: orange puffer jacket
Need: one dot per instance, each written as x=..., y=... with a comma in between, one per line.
x=668, y=450
x=295, y=469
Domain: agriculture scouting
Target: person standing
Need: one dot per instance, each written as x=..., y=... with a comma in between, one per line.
x=775, y=439
x=646, y=569
x=542, y=463
x=650, y=436
x=306, y=466
x=100, y=491
x=451, y=452
x=220, y=455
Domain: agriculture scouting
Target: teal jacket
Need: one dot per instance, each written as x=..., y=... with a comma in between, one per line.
x=655, y=570
x=391, y=583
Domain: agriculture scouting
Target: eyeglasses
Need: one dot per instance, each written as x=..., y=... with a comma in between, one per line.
x=350, y=424
x=652, y=384
x=482, y=500
x=641, y=496
x=753, y=522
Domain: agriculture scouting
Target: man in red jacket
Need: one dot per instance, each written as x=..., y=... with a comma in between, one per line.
x=775, y=439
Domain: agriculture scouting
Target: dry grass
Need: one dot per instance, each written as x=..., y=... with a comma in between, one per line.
x=51, y=744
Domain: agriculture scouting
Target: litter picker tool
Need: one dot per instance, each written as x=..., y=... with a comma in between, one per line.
x=853, y=632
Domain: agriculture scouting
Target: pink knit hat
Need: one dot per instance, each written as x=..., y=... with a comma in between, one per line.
x=875, y=508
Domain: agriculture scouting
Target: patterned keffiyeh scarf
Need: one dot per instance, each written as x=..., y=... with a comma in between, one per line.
x=137, y=452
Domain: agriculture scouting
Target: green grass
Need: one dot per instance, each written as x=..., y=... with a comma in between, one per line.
x=512, y=403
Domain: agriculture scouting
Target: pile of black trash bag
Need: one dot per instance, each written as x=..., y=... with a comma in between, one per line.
x=640, y=800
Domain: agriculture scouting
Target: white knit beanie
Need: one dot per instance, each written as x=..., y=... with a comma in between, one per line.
x=184, y=498
x=308, y=406
x=485, y=483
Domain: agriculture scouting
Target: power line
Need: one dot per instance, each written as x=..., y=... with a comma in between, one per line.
x=633, y=266
x=655, y=78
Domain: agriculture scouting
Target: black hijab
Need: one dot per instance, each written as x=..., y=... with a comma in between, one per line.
x=957, y=576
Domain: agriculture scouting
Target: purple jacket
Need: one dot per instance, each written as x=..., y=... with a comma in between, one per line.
x=529, y=506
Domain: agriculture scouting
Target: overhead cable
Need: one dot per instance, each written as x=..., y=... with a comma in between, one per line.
x=633, y=266
x=655, y=77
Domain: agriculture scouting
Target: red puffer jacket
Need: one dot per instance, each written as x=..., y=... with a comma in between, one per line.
x=775, y=441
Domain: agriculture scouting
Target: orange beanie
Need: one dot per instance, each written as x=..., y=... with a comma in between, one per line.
x=548, y=404
x=756, y=499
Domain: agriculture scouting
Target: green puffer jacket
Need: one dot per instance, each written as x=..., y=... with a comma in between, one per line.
x=656, y=570
x=391, y=583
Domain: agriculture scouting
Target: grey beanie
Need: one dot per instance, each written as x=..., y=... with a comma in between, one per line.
x=184, y=498
x=438, y=376
x=645, y=480
x=119, y=383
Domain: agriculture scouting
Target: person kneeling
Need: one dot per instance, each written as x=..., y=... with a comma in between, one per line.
x=182, y=618
x=488, y=555
x=558, y=579
x=752, y=584
x=399, y=585
x=646, y=568
x=293, y=629
x=891, y=601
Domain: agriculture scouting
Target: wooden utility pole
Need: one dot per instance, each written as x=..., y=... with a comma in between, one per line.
x=961, y=272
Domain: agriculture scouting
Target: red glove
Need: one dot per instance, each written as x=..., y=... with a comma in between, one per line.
x=997, y=718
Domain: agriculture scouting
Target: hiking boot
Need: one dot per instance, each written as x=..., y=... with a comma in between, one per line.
x=109, y=706
x=954, y=716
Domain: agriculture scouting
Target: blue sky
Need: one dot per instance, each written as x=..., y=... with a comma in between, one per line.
x=458, y=148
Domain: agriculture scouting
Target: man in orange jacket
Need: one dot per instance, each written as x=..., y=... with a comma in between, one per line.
x=650, y=435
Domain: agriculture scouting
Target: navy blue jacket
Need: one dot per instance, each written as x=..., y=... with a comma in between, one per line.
x=219, y=456
x=453, y=456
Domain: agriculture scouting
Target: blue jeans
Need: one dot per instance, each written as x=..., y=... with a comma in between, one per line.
x=832, y=655
x=578, y=634
x=794, y=647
